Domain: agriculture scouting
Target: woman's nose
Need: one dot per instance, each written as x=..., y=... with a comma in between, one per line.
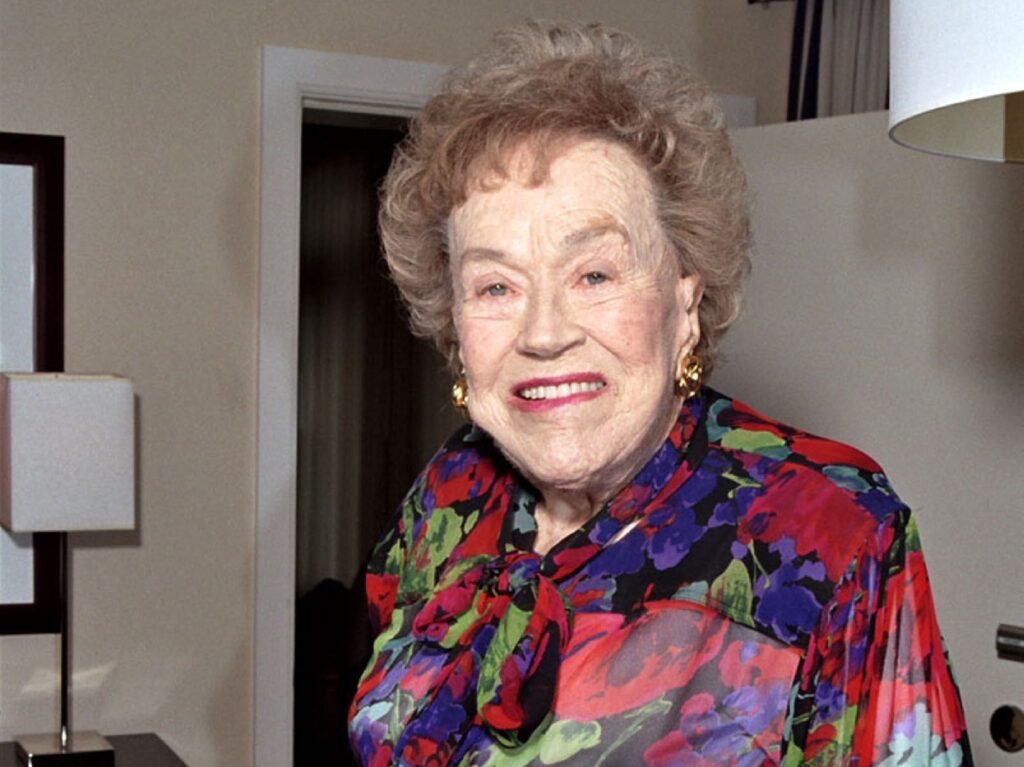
x=549, y=326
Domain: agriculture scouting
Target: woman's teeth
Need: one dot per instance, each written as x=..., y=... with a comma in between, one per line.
x=562, y=390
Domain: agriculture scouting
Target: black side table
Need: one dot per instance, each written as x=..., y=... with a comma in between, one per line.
x=129, y=751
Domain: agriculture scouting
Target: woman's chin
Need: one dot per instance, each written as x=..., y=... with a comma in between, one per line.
x=589, y=452
x=569, y=468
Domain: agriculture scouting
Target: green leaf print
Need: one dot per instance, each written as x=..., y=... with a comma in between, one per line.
x=509, y=632
x=567, y=738
x=444, y=532
x=636, y=720
x=555, y=744
x=731, y=590
x=762, y=442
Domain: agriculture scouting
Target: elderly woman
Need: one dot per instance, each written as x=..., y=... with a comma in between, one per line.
x=612, y=563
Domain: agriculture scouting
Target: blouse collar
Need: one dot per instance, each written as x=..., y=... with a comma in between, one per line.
x=671, y=465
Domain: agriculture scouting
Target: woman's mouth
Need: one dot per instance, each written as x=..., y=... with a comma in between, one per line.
x=560, y=391
x=543, y=394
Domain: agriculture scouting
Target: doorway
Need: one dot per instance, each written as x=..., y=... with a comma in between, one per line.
x=291, y=78
x=371, y=411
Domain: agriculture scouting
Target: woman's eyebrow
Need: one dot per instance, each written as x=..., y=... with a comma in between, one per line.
x=482, y=254
x=594, y=231
x=575, y=239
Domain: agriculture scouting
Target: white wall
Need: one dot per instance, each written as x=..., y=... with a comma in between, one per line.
x=885, y=309
x=159, y=102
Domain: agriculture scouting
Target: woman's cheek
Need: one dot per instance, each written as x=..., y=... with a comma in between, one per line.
x=485, y=346
x=621, y=326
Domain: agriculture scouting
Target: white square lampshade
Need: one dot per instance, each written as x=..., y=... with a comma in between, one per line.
x=67, y=452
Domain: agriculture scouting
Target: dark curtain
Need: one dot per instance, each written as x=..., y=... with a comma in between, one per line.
x=355, y=455
x=357, y=423
x=372, y=408
x=839, y=62
x=804, y=62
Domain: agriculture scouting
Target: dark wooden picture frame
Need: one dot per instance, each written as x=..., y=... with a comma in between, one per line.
x=45, y=154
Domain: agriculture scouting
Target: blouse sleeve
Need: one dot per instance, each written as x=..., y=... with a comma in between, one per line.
x=389, y=559
x=876, y=687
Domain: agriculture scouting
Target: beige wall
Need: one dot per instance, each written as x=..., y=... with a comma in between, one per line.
x=159, y=101
x=885, y=311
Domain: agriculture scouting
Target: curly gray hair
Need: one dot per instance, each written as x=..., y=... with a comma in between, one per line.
x=547, y=83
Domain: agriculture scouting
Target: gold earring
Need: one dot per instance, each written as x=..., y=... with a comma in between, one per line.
x=460, y=394
x=689, y=372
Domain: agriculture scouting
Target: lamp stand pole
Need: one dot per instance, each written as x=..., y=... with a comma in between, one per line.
x=84, y=749
x=65, y=650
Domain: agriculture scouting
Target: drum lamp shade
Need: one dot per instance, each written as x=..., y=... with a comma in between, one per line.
x=67, y=452
x=957, y=77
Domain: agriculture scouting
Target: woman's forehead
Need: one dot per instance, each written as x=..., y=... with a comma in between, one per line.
x=529, y=163
x=592, y=188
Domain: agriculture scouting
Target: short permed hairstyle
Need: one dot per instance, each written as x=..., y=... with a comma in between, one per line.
x=547, y=83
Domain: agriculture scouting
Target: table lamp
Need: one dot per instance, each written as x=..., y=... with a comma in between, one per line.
x=956, y=74
x=67, y=463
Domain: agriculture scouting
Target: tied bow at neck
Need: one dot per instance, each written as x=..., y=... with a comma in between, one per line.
x=513, y=622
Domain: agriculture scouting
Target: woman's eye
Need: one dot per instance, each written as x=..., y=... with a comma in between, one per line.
x=497, y=289
x=595, y=278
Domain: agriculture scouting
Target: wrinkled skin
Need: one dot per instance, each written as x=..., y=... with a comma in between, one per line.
x=571, y=282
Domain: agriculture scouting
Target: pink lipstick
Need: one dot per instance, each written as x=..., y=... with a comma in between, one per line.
x=539, y=394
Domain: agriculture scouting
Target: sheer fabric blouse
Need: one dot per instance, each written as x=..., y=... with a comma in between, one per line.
x=756, y=596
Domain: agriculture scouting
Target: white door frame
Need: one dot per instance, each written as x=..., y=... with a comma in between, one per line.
x=293, y=78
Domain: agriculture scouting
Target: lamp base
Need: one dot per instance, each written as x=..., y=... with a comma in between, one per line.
x=84, y=749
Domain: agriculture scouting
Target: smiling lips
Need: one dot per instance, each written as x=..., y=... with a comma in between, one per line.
x=547, y=393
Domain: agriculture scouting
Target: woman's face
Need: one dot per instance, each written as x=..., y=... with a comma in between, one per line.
x=571, y=315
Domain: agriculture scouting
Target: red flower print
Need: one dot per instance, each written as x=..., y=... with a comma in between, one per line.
x=667, y=646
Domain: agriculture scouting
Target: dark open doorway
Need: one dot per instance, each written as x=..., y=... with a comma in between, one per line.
x=372, y=409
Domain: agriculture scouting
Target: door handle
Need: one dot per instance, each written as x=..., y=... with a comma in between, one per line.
x=1010, y=642
x=1006, y=725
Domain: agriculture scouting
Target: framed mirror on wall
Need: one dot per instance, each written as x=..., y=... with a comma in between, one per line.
x=31, y=339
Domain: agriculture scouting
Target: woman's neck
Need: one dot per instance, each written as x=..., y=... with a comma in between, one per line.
x=559, y=513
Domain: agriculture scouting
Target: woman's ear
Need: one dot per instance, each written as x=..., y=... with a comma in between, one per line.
x=689, y=292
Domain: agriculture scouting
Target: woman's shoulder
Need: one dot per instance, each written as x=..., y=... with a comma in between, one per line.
x=801, y=483
x=453, y=510
x=789, y=517
x=462, y=473
x=736, y=426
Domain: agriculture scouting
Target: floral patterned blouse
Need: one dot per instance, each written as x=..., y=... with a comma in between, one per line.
x=756, y=596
